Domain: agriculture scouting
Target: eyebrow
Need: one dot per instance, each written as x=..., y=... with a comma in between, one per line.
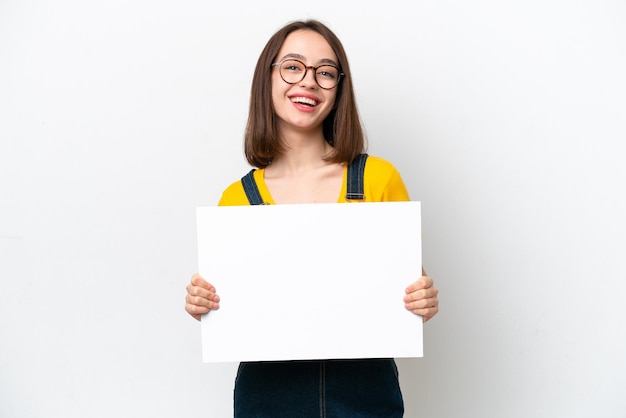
x=302, y=58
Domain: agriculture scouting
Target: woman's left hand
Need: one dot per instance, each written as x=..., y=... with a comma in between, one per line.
x=421, y=298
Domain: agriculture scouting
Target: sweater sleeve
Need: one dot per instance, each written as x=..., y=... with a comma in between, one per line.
x=383, y=182
x=396, y=190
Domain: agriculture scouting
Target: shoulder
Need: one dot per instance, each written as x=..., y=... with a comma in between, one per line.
x=383, y=181
x=234, y=195
x=375, y=164
x=380, y=170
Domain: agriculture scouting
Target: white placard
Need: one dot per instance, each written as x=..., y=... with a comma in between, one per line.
x=312, y=281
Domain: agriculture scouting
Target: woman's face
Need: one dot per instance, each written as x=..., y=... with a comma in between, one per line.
x=304, y=105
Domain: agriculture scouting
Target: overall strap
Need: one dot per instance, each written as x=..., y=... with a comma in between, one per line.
x=356, y=172
x=251, y=189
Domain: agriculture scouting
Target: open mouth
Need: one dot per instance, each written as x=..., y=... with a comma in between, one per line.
x=304, y=101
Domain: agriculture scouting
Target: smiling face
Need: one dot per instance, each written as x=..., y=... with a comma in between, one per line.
x=303, y=106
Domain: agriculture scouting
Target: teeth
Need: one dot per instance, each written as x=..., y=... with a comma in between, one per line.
x=304, y=100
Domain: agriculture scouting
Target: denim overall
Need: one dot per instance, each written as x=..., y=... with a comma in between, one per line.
x=355, y=388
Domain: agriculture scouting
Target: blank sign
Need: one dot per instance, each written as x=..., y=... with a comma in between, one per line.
x=312, y=281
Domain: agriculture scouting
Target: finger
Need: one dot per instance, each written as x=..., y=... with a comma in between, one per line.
x=426, y=311
x=202, y=292
x=202, y=288
x=421, y=294
x=423, y=282
x=426, y=314
x=422, y=304
x=202, y=297
x=195, y=311
x=199, y=281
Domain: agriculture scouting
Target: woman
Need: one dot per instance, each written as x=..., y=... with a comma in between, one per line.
x=303, y=133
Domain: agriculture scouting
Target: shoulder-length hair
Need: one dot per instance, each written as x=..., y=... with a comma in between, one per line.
x=342, y=127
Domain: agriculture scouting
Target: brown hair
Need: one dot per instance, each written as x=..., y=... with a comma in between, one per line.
x=342, y=127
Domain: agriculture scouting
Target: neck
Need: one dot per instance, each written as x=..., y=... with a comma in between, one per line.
x=304, y=152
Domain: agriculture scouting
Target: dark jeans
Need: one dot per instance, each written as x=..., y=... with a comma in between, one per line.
x=318, y=389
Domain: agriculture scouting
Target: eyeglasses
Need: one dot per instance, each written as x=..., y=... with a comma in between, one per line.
x=293, y=71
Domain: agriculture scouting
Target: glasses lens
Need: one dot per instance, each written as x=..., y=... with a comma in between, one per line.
x=327, y=76
x=292, y=71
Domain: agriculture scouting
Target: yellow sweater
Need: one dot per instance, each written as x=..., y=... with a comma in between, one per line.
x=382, y=183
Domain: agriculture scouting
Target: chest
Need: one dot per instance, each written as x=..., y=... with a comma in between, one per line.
x=323, y=186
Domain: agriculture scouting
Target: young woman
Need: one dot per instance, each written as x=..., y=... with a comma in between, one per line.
x=303, y=133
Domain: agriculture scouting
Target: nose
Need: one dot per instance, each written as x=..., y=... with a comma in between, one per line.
x=309, y=77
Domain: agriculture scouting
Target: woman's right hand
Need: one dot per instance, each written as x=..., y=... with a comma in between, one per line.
x=201, y=297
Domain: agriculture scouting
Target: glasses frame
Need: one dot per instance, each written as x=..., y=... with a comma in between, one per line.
x=306, y=69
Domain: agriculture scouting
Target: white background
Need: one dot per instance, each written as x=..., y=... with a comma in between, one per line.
x=506, y=120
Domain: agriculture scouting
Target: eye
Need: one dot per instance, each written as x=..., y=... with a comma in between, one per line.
x=294, y=66
x=328, y=71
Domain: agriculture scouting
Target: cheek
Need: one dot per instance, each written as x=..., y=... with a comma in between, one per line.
x=278, y=89
x=279, y=100
x=332, y=97
x=277, y=97
x=332, y=100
